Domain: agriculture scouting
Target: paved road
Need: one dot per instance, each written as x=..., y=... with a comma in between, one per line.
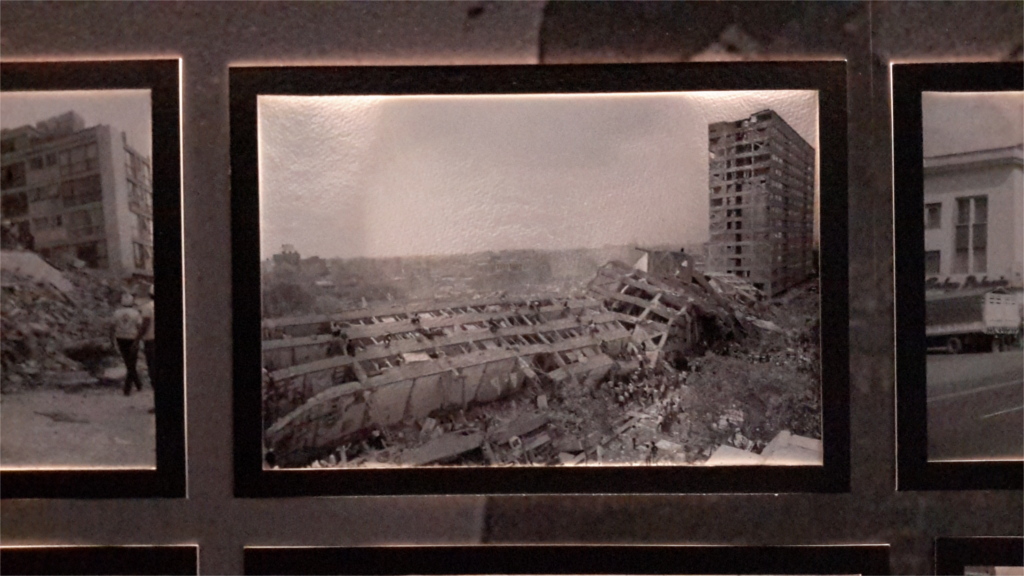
x=976, y=406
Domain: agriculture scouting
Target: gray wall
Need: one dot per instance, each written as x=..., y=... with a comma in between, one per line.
x=212, y=36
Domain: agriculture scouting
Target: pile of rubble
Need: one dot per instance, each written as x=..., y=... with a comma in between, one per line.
x=55, y=324
x=654, y=415
x=707, y=365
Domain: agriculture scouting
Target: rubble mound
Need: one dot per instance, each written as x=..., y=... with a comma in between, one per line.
x=55, y=327
x=648, y=369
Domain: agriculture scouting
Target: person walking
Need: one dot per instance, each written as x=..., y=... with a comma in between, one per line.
x=125, y=332
x=148, y=335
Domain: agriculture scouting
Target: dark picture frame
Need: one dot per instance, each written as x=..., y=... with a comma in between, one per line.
x=914, y=470
x=176, y=559
x=162, y=78
x=953, y=555
x=828, y=78
x=568, y=559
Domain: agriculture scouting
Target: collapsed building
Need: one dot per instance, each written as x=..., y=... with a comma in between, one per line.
x=55, y=324
x=354, y=377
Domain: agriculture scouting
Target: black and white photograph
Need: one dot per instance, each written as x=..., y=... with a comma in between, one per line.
x=77, y=277
x=537, y=560
x=550, y=279
x=973, y=163
x=994, y=571
x=91, y=279
x=78, y=559
x=980, y=556
x=958, y=155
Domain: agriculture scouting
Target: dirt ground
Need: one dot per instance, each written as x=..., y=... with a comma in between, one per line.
x=91, y=428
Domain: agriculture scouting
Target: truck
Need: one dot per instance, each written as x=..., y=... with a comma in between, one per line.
x=973, y=320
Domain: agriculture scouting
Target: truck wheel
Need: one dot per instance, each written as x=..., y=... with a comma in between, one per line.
x=997, y=344
x=954, y=345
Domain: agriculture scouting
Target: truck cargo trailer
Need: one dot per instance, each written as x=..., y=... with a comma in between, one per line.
x=978, y=320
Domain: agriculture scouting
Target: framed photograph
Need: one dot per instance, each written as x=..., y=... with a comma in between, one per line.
x=958, y=157
x=91, y=280
x=100, y=559
x=540, y=279
x=594, y=559
x=982, y=556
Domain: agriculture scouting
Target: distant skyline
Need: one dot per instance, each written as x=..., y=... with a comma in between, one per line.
x=955, y=122
x=363, y=176
x=127, y=111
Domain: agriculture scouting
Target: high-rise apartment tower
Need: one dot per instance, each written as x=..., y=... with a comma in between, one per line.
x=762, y=202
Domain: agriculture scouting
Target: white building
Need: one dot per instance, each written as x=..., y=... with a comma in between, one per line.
x=974, y=218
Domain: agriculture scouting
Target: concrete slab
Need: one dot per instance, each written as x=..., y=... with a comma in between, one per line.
x=388, y=403
x=794, y=456
x=729, y=456
x=788, y=449
x=31, y=265
x=441, y=449
x=427, y=396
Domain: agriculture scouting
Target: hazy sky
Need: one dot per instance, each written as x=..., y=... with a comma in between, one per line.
x=124, y=110
x=964, y=121
x=348, y=176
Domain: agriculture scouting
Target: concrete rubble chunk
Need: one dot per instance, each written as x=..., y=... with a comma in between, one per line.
x=742, y=442
x=786, y=449
x=31, y=265
x=441, y=449
x=764, y=324
x=592, y=440
x=526, y=369
x=726, y=455
x=542, y=402
x=115, y=373
x=629, y=424
x=567, y=459
x=409, y=357
x=489, y=454
x=568, y=444
x=72, y=380
x=431, y=429
x=668, y=446
x=794, y=456
x=781, y=439
x=536, y=442
x=805, y=443
x=524, y=424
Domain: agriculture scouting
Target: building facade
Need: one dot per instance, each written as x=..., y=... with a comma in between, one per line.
x=72, y=192
x=762, y=202
x=974, y=219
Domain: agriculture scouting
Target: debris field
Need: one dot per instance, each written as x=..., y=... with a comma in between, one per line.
x=55, y=325
x=638, y=368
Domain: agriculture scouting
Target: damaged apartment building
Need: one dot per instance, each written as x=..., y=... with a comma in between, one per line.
x=761, y=184
x=334, y=379
x=71, y=192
